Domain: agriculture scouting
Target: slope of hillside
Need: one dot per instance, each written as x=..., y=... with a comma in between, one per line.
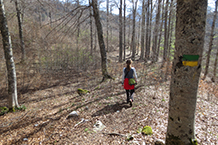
x=46, y=119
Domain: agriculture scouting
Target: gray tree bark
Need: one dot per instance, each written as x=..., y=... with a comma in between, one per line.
x=91, y=30
x=147, y=52
x=210, y=43
x=160, y=33
x=133, y=29
x=124, y=31
x=7, y=46
x=215, y=66
x=165, y=33
x=143, y=31
x=100, y=40
x=107, y=24
x=156, y=30
x=120, y=32
x=23, y=57
x=190, y=32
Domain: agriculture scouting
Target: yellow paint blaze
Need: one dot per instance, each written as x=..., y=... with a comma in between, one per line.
x=190, y=63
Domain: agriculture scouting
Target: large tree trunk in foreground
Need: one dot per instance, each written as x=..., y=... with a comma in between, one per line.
x=12, y=81
x=190, y=32
x=210, y=43
x=100, y=40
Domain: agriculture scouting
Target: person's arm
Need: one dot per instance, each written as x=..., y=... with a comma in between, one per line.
x=123, y=76
x=135, y=74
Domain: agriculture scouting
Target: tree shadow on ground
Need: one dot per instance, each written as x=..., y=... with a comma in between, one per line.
x=111, y=109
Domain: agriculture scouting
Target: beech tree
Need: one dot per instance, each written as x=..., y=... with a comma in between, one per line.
x=120, y=32
x=7, y=46
x=100, y=40
x=133, y=45
x=211, y=42
x=160, y=32
x=124, y=31
x=143, y=31
x=165, y=33
x=156, y=30
x=190, y=32
x=20, y=31
x=147, y=53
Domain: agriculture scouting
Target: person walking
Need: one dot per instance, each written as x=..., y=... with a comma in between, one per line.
x=128, y=73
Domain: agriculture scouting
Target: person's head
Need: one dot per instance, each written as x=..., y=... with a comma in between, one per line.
x=128, y=64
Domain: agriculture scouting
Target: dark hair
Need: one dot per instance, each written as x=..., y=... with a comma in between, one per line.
x=128, y=64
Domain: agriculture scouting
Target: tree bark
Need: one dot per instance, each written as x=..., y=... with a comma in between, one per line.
x=100, y=40
x=215, y=66
x=190, y=32
x=210, y=43
x=160, y=34
x=107, y=24
x=120, y=32
x=133, y=29
x=143, y=31
x=124, y=32
x=91, y=30
x=12, y=80
x=156, y=29
x=138, y=36
x=23, y=57
x=150, y=27
x=165, y=33
x=147, y=52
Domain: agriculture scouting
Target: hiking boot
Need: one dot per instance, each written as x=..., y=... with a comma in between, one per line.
x=130, y=102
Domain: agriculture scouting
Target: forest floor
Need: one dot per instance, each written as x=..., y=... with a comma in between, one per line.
x=45, y=121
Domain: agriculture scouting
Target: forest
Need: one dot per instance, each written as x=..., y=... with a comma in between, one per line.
x=63, y=65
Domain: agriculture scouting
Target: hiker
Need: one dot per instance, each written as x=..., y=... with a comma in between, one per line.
x=129, y=73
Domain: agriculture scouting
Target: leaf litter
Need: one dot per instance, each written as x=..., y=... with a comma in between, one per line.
x=45, y=120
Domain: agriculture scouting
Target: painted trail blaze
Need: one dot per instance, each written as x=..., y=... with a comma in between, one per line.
x=190, y=60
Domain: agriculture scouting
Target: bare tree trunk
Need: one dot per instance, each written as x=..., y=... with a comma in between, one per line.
x=147, y=53
x=124, y=32
x=107, y=23
x=165, y=34
x=150, y=28
x=129, y=34
x=133, y=29
x=100, y=40
x=170, y=29
x=12, y=80
x=160, y=34
x=156, y=29
x=143, y=31
x=91, y=35
x=20, y=31
x=138, y=36
x=190, y=32
x=120, y=32
x=215, y=66
x=77, y=38
x=210, y=43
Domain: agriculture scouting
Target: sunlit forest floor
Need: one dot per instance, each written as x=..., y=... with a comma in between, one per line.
x=45, y=119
